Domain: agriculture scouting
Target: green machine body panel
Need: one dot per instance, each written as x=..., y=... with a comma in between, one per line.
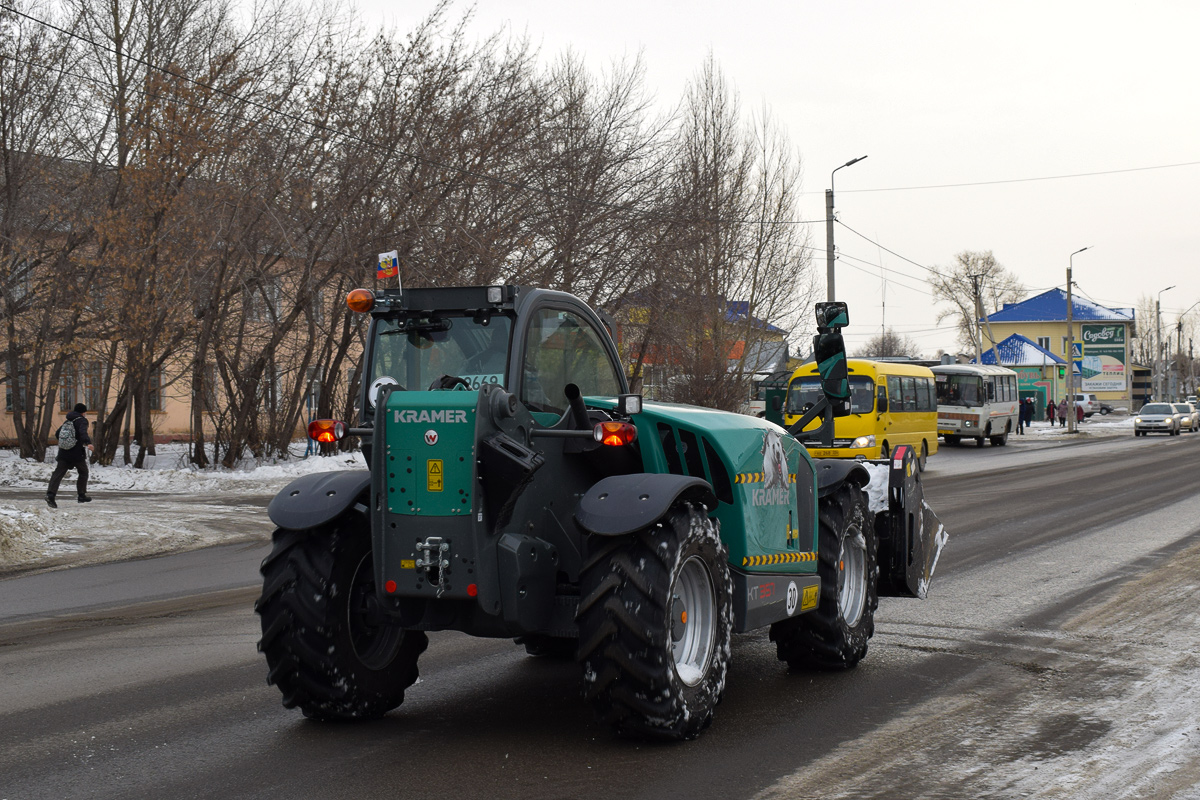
x=429, y=452
x=765, y=481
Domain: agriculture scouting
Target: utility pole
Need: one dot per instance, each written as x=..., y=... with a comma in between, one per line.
x=1071, y=412
x=829, y=278
x=1158, y=393
x=978, y=314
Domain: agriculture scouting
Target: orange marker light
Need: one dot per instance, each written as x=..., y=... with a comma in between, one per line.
x=360, y=300
x=615, y=433
x=326, y=431
x=683, y=618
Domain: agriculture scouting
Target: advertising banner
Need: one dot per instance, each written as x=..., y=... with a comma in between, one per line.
x=1103, y=366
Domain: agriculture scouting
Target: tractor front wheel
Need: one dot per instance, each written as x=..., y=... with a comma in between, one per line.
x=330, y=648
x=655, y=624
x=834, y=635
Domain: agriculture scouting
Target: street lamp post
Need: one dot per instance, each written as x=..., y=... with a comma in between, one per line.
x=1071, y=412
x=829, y=230
x=1158, y=366
x=1189, y=383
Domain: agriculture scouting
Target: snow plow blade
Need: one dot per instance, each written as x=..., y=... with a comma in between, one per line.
x=910, y=535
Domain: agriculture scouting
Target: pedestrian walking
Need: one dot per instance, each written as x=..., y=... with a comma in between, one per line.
x=1027, y=410
x=1050, y=407
x=74, y=456
x=1078, y=413
x=1062, y=413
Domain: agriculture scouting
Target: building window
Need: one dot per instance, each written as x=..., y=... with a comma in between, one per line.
x=154, y=390
x=1044, y=343
x=1064, y=347
x=14, y=400
x=313, y=398
x=92, y=384
x=66, y=392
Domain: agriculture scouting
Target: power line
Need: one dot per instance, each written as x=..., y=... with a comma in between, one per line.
x=1019, y=180
x=877, y=244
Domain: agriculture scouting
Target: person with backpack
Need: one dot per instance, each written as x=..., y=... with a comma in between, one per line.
x=72, y=440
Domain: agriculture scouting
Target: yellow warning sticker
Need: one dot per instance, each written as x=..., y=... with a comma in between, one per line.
x=809, y=599
x=433, y=475
x=408, y=563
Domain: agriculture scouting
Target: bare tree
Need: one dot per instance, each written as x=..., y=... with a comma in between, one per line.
x=956, y=285
x=889, y=344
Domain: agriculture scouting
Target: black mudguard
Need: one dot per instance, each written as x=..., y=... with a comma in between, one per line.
x=622, y=504
x=316, y=499
x=910, y=535
x=833, y=472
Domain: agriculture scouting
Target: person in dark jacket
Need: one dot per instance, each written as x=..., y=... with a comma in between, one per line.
x=75, y=457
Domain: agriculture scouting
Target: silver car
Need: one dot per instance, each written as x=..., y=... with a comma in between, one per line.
x=1156, y=418
x=1189, y=417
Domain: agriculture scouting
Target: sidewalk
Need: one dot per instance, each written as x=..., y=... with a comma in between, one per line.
x=1096, y=427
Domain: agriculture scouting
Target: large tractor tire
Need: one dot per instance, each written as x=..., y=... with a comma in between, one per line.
x=655, y=623
x=834, y=635
x=329, y=647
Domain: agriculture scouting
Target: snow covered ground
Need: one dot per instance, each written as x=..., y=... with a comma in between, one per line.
x=168, y=507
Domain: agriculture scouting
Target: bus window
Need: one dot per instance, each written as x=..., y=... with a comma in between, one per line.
x=959, y=390
x=924, y=400
x=806, y=390
x=909, y=385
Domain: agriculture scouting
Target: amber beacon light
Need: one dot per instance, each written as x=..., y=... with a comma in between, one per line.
x=360, y=300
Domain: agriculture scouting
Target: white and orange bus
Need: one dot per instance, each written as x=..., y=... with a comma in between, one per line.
x=977, y=402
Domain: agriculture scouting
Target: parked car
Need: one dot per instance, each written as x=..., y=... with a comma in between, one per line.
x=1105, y=409
x=1191, y=398
x=1189, y=417
x=1156, y=418
x=1089, y=403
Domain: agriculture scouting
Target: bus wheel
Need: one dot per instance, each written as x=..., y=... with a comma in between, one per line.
x=924, y=456
x=1002, y=439
x=885, y=451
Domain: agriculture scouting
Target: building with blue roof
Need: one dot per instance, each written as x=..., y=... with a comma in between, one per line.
x=1103, y=345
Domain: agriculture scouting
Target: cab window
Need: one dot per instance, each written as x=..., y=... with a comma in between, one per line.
x=563, y=348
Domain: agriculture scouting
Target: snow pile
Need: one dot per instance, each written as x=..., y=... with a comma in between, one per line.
x=140, y=512
x=170, y=473
x=22, y=535
x=877, y=489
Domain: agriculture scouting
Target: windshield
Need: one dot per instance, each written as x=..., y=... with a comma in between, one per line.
x=1157, y=408
x=1182, y=408
x=804, y=391
x=959, y=390
x=418, y=351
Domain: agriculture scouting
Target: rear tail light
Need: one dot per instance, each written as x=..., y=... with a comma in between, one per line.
x=326, y=431
x=615, y=433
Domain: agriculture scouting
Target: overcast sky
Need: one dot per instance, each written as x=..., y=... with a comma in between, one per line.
x=941, y=93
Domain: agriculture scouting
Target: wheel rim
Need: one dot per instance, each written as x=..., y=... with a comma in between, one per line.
x=375, y=639
x=852, y=576
x=693, y=621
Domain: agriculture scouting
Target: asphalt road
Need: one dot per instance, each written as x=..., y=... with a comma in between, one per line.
x=1054, y=658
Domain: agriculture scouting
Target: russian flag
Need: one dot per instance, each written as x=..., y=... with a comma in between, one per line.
x=389, y=265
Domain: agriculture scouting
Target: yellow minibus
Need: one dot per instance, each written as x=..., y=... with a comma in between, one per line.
x=891, y=403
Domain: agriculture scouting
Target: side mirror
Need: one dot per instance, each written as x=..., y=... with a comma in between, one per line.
x=832, y=316
x=881, y=400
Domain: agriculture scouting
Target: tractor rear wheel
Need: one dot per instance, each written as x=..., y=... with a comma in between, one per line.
x=834, y=635
x=330, y=648
x=655, y=624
